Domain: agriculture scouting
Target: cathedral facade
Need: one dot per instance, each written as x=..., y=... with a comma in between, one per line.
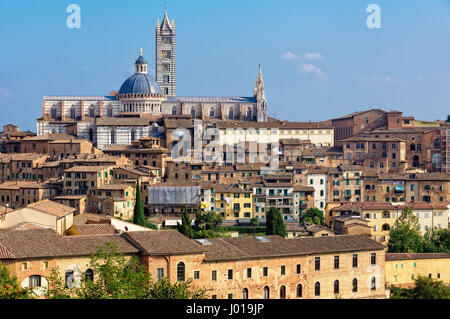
x=128, y=114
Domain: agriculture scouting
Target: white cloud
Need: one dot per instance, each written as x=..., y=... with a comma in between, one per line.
x=313, y=56
x=309, y=68
x=5, y=93
x=289, y=56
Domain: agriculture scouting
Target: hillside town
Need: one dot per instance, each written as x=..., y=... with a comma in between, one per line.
x=72, y=187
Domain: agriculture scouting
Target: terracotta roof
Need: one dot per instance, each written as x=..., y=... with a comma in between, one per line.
x=243, y=248
x=273, y=125
x=114, y=187
x=53, y=208
x=222, y=188
x=95, y=229
x=38, y=243
x=87, y=169
x=166, y=242
x=412, y=256
x=302, y=188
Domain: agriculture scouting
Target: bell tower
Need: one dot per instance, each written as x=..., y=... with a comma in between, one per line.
x=166, y=55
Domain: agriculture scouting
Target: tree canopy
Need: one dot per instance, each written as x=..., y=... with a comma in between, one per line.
x=313, y=215
x=425, y=288
x=274, y=222
x=139, y=216
x=118, y=277
x=405, y=236
x=9, y=287
x=186, y=225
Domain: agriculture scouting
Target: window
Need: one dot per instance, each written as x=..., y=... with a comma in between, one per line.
x=373, y=284
x=196, y=274
x=355, y=285
x=230, y=274
x=266, y=292
x=245, y=293
x=249, y=273
x=373, y=258
x=317, y=263
x=159, y=274
x=265, y=271
x=317, y=289
x=180, y=272
x=34, y=281
x=355, y=260
x=214, y=275
x=69, y=278
x=24, y=266
x=336, y=262
x=230, y=296
x=336, y=287
x=89, y=275
x=283, y=292
x=299, y=269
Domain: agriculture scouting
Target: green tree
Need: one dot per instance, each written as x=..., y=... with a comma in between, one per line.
x=10, y=288
x=186, y=225
x=405, y=236
x=274, y=223
x=118, y=277
x=180, y=290
x=138, y=216
x=425, y=288
x=207, y=220
x=255, y=223
x=313, y=215
x=436, y=240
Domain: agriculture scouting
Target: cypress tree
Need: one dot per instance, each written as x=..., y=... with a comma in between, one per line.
x=186, y=225
x=139, y=217
x=274, y=223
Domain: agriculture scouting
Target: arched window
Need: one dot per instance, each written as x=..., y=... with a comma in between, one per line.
x=386, y=227
x=91, y=111
x=249, y=114
x=436, y=161
x=133, y=135
x=91, y=134
x=355, y=285
x=266, y=292
x=373, y=284
x=72, y=112
x=53, y=111
x=317, y=289
x=69, y=278
x=174, y=110
x=113, y=136
x=336, y=287
x=386, y=215
x=180, y=272
x=299, y=291
x=211, y=113
x=109, y=111
x=437, y=144
x=412, y=147
x=245, y=293
x=89, y=275
x=193, y=113
x=283, y=292
x=416, y=161
x=231, y=113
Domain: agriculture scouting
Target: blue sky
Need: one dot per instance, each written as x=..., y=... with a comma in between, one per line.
x=319, y=58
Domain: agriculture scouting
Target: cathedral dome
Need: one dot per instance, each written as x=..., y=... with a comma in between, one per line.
x=140, y=83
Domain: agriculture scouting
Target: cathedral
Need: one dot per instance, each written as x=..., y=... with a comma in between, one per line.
x=130, y=113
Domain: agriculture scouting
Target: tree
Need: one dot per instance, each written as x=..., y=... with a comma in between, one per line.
x=138, y=216
x=425, y=288
x=436, y=240
x=118, y=277
x=448, y=118
x=207, y=220
x=313, y=215
x=255, y=223
x=405, y=236
x=181, y=290
x=186, y=225
x=10, y=288
x=274, y=223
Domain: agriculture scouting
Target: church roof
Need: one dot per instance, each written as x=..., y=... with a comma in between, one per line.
x=140, y=83
x=211, y=99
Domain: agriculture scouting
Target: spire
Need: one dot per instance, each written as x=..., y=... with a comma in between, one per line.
x=259, y=85
x=141, y=63
x=166, y=21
